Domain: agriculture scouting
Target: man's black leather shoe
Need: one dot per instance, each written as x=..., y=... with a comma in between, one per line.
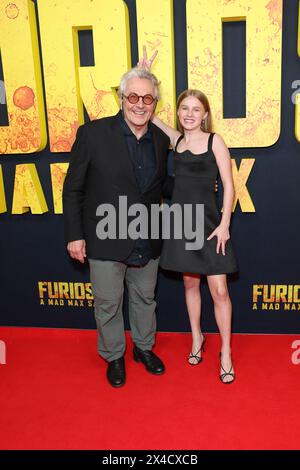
x=116, y=372
x=152, y=363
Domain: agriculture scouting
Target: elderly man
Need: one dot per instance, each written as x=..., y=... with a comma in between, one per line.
x=122, y=155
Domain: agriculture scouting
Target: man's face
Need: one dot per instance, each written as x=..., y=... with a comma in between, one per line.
x=139, y=114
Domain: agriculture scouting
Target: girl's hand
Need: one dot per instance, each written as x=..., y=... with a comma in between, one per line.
x=144, y=62
x=222, y=234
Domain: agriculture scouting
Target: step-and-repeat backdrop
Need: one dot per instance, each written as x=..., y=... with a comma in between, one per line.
x=60, y=65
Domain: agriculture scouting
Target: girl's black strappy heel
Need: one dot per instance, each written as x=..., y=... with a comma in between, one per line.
x=197, y=356
x=226, y=374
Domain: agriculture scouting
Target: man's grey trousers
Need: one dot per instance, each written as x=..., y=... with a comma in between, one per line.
x=107, y=279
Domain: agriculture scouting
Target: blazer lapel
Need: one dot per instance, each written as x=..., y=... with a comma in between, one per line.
x=158, y=157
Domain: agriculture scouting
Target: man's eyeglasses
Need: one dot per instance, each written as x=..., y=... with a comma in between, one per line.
x=133, y=98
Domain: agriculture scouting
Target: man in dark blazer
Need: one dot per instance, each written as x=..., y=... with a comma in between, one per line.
x=122, y=155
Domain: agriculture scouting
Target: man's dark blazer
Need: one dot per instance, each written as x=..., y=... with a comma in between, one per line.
x=100, y=171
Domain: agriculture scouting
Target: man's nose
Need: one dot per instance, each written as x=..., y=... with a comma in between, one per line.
x=140, y=101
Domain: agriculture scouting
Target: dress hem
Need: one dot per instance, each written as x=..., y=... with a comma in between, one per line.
x=200, y=273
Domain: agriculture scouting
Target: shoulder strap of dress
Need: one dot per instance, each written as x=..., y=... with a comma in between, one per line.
x=178, y=140
x=210, y=141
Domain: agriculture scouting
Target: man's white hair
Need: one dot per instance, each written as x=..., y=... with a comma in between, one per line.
x=139, y=73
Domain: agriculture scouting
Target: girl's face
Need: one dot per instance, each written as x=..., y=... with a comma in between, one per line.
x=190, y=113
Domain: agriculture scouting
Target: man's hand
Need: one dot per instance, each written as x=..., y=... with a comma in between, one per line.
x=144, y=62
x=77, y=250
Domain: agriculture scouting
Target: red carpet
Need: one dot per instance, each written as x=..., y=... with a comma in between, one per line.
x=54, y=395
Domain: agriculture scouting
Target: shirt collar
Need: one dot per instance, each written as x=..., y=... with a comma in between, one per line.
x=128, y=132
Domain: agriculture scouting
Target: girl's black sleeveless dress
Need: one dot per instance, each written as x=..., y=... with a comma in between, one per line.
x=195, y=177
